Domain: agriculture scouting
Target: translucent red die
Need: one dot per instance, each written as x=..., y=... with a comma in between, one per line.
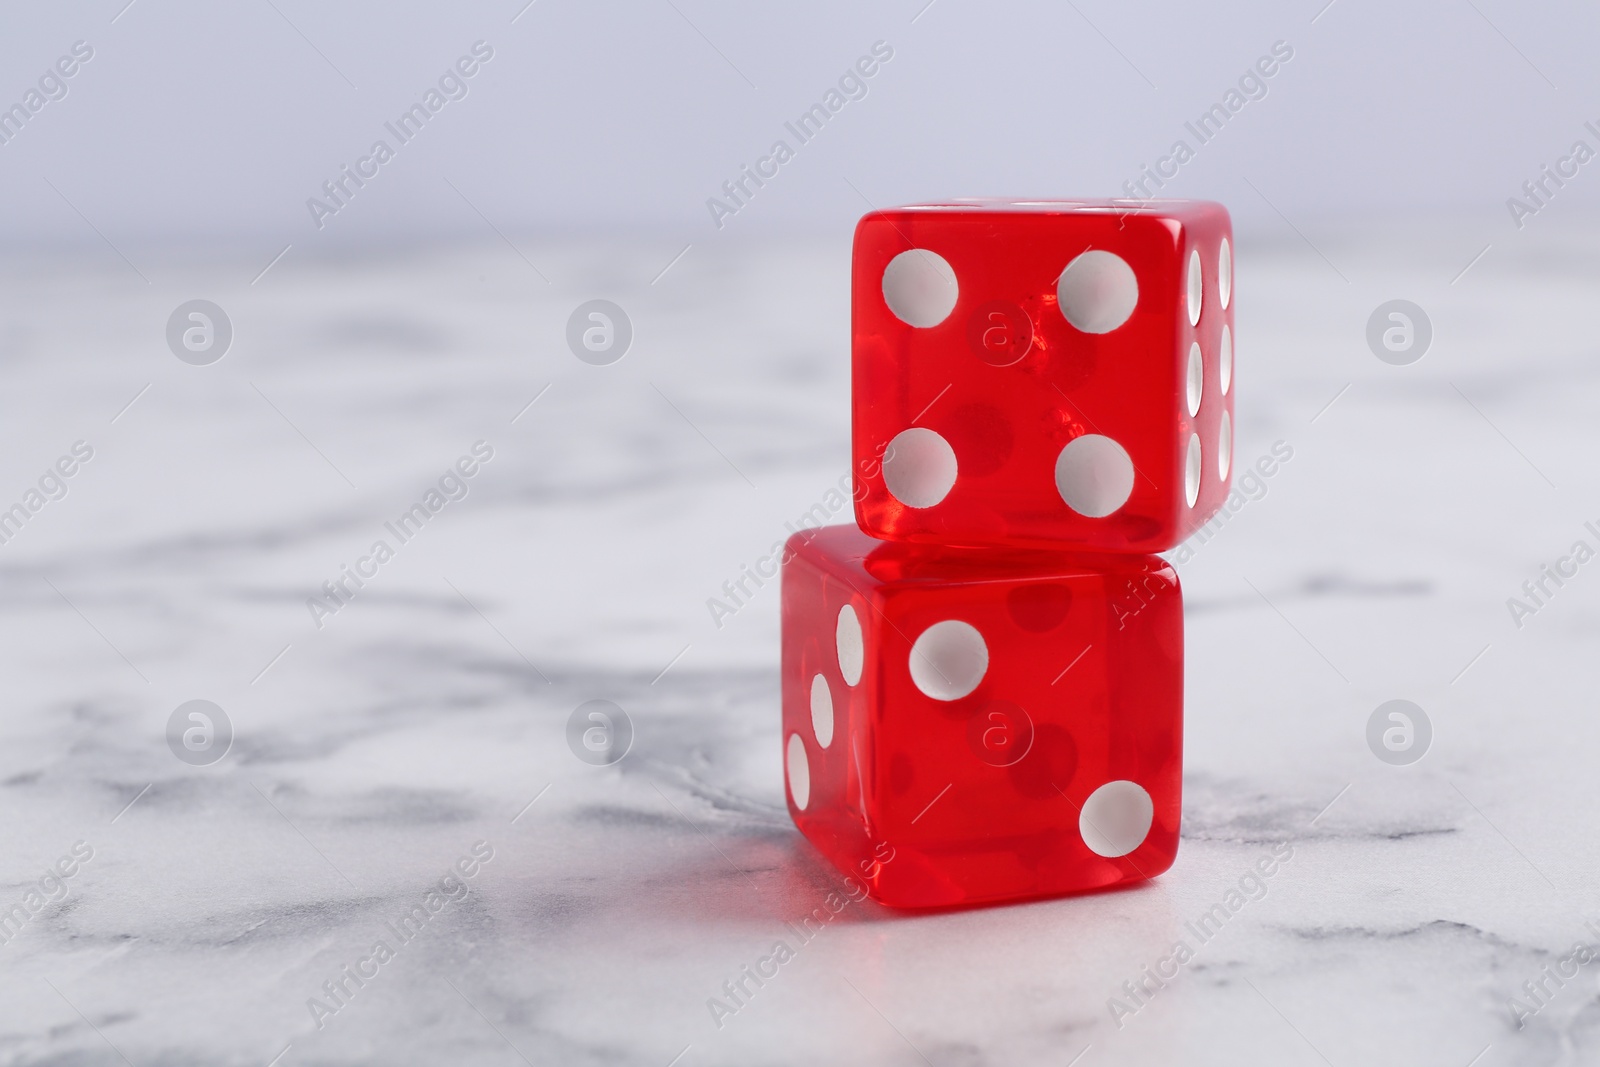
x=963, y=726
x=1047, y=373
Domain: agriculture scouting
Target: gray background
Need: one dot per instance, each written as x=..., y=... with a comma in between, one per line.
x=200, y=121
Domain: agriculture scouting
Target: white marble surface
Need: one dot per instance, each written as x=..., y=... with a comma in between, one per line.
x=378, y=749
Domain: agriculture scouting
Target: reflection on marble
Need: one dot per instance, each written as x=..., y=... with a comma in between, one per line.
x=427, y=717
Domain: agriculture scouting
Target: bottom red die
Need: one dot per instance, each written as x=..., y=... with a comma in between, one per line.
x=967, y=726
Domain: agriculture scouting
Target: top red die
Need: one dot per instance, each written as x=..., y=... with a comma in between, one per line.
x=1048, y=373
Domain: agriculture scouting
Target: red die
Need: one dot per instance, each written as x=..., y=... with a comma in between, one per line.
x=965, y=725
x=1053, y=373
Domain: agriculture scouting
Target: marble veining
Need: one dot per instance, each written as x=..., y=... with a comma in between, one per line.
x=427, y=718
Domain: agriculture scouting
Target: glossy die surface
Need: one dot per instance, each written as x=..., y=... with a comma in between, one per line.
x=1056, y=373
x=964, y=726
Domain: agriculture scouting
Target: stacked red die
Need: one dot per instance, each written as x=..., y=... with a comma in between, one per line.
x=983, y=699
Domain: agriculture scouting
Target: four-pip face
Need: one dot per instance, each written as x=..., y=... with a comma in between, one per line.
x=1047, y=373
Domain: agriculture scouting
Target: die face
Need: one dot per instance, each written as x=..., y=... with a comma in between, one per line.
x=1014, y=727
x=1029, y=374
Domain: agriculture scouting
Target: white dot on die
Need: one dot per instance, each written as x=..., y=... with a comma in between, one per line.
x=949, y=660
x=919, y=467
x=1197, y=377
x=799, y=772
x=1116, y=819
x=1094, y=475
x=1191, y=471
x=1195, y=287
x=1225, y=360
x=821, y=711
x=847, y=639
x=1225, y=274
x=1097, y=292
x=920, y=287
x=1224, y=447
